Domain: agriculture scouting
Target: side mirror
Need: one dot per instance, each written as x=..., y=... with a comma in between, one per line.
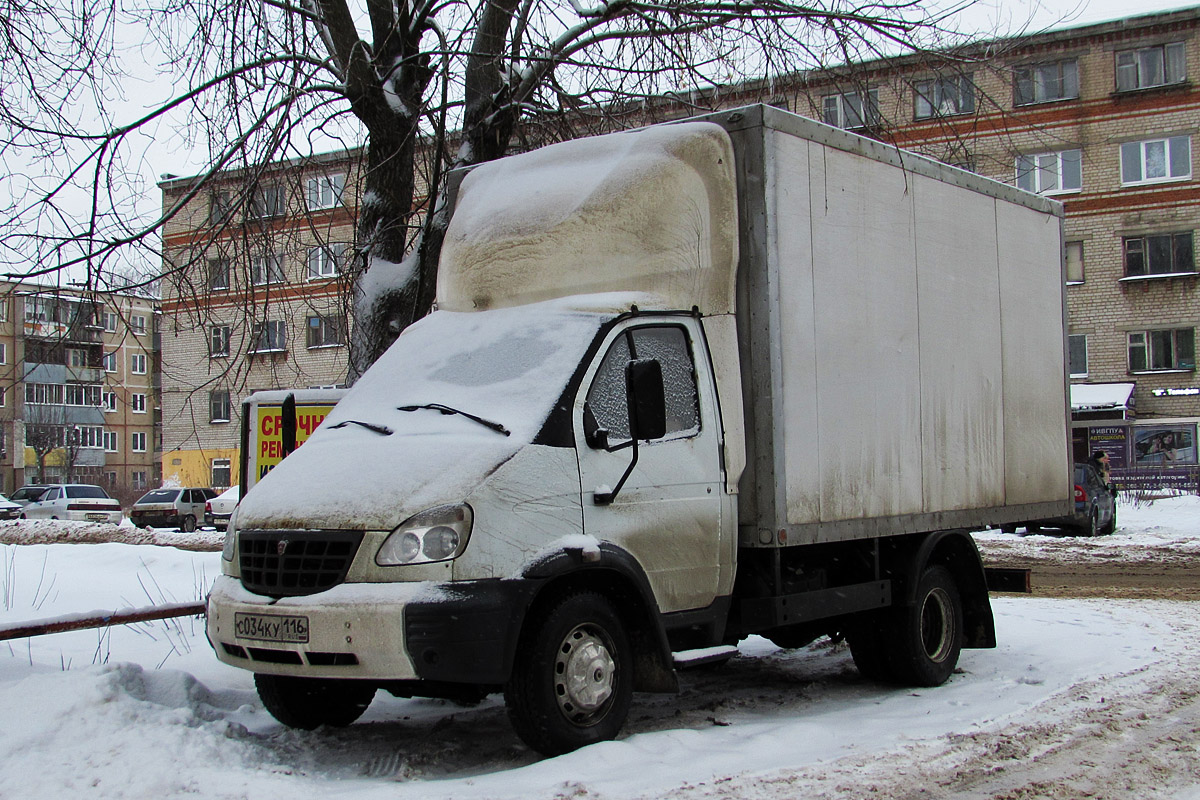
x=647, y=400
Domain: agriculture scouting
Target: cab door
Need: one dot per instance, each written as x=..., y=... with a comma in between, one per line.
x=668, y=513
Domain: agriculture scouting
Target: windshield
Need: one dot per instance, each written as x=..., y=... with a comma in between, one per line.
x=160, y=496
x=85, y=491
x=28, y=493
x=506, y=367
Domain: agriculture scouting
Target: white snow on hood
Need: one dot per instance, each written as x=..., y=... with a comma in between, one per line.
x=508, y=366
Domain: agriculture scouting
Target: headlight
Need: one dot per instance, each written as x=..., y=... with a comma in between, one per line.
x=230, y=537
x=436, y=534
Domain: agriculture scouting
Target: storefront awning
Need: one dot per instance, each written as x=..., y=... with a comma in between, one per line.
x=1095, y=398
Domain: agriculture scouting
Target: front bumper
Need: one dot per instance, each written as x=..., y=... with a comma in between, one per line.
x=453, y=632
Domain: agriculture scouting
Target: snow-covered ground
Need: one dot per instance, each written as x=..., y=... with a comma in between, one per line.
x=1083, y=698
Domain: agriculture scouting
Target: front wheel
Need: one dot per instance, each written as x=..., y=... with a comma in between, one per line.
x=572, y=682
x=307, y=703
x=929, y=634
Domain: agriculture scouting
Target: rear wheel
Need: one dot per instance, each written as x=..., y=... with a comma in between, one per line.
x=1093, y=524
x=307, y=703
x=869, y=645
x=1111, y=527
x=572, y=682
x=188, y=524
x=928, y=636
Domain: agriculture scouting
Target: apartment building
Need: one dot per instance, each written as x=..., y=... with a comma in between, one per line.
x=1103, y=118
x=253, y=298
x=78, y=391
x=1100, y=117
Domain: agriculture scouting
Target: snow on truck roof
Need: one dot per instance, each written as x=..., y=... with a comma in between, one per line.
x=651, y=210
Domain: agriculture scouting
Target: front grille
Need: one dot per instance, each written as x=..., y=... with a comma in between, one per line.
x=293, y=563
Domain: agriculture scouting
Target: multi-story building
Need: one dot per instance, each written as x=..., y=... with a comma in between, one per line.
x=78, y=394
x=253, y=298
x=1101, y=117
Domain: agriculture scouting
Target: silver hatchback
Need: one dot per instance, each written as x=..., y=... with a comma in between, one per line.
x=171, y=508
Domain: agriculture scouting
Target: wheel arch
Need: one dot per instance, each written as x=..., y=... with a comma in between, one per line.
x=615, y=574
x=956, y=550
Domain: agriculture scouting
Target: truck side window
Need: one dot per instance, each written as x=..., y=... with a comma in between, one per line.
x=669, y=346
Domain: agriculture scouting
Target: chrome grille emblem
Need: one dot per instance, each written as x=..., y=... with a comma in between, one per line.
x=281, y=546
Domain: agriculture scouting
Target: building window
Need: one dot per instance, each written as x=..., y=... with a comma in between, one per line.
x=137, y=478
x=51, y=394
x=218, y=406
x=222, y=472
x=87, y=436
x=111, y=478
x=326, y=261
x=220, y=207
x=325, y=191
x=82, y=394
x=108, y=400
x=1156, y=160
x=269, y=201
x=852, y=110
x=326, y=331
x=1077, y=355
x=3, y=309
x=137, y=323
x=109, y=320
x=111, y=442
x=218, y=273
x=266, y=269
x=1162, y=350
x=1050, y=173
x=3, y=352
x=1150, y=66
x=137, y=403
x=76, y=358
x=942, y=97
x=137, y=443
x=218, y=341
x=137, y=363
x=1165, y=254
x=269, y=336
x=109, y=361
x=1045, y=83
x=1074, y=262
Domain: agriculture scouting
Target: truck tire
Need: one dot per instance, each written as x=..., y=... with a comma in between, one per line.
x=307, y=703
x=928, y=635
x=869, y=646
x=572, y=681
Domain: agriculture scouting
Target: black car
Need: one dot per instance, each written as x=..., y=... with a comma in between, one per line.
x=1095, y=507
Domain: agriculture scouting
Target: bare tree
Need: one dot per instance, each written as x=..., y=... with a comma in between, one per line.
x=255, y=83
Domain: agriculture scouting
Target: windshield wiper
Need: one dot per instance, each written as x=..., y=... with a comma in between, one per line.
x=487, y=423
x=383, y=430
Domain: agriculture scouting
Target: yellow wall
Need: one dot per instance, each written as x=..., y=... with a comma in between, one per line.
x=194, y=467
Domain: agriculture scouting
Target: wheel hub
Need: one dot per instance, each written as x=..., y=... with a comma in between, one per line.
x=937, y=625
x=584, y=674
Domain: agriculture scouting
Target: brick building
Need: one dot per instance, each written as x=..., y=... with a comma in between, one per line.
x=1101, y=117
x=78, y=388
x=252, y=298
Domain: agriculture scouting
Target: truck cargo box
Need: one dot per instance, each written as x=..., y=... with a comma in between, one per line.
x=902, y=332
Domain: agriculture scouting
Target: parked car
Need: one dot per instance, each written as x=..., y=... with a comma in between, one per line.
x=179, y=508
x=1095, y=507
x=9, y=509
x=27, y=494
x=74, y=501
x=218, y=510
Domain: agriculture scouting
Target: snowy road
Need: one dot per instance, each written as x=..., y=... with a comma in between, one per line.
x=1083, y=698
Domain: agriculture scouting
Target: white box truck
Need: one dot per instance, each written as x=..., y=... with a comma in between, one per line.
x=746, y=374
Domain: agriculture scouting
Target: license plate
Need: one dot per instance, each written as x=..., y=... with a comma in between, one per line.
x=271, y=628
x=97, y=517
